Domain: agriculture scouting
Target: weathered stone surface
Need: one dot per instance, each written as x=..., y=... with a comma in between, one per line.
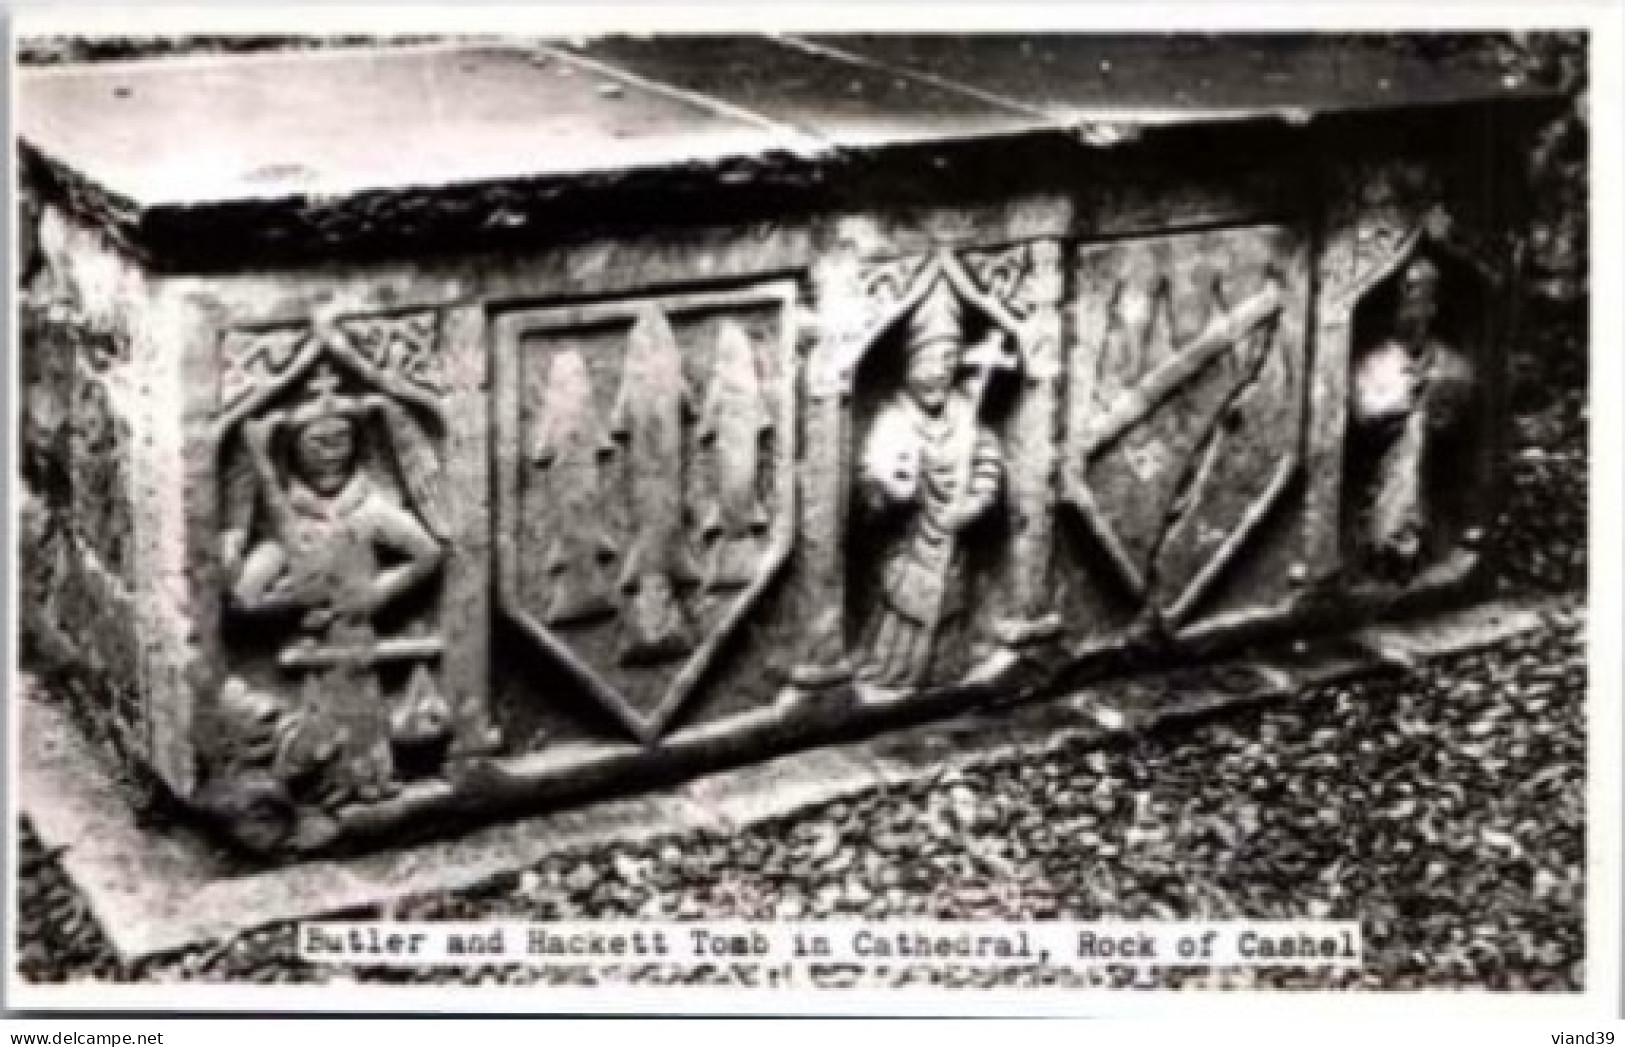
x=832, y=99
x=1481, y=625
x=784, y=785
x=1185, y=408
x=522, y=475
x=500, y=114
x=1390, y=217
x=647, y=501
x=81, y=582
x=334, y=528
x=1183, y=79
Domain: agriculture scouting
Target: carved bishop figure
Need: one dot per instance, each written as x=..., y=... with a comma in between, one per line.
x=929, y=460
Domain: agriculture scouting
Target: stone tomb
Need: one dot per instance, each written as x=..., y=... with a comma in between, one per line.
x=412, y=437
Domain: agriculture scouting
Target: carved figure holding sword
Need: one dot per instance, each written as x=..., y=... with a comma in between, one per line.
x=335, y=550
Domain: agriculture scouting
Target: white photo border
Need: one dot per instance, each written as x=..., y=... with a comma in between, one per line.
x=1601, y=19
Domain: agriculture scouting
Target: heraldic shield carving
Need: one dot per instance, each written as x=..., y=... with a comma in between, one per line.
x=645, y=454
x=1186, y=409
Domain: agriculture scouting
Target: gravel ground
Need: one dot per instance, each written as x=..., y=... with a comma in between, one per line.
x=1443, y=809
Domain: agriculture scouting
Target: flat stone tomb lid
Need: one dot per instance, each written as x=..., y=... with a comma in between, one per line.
x=168, y=133
x=160, y=132
x=1197, y=77
x=833, y=98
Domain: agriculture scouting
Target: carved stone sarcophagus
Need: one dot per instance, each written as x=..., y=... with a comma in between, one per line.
x=412, y=436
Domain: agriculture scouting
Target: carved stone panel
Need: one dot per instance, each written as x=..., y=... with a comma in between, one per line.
x=1415, y=426
x=1186, y=410
x=922, y=477
x=1406, y=317
x=646, y=494
x=334, y=535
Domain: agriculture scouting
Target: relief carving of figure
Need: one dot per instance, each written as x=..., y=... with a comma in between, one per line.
x=338, y=548
x=329, y=523
x=1408, y=389
x=934, y=468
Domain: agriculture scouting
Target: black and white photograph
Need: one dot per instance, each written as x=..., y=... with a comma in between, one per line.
x=781, y=511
